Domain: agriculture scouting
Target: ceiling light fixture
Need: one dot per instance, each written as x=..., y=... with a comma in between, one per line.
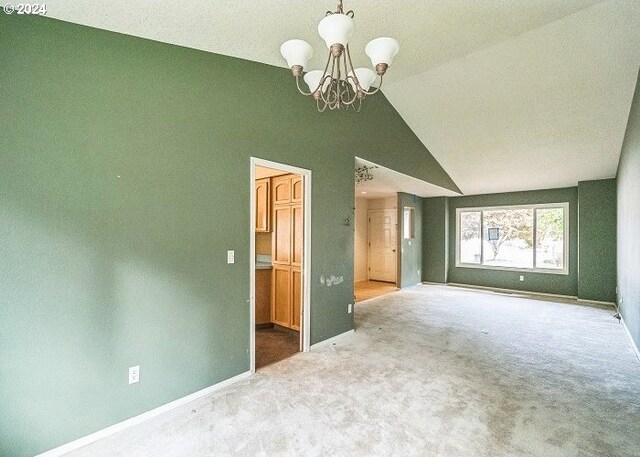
x=363, y=174
x=339, y=85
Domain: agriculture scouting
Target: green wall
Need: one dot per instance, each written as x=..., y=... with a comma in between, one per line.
x=435, y=228
x=534, y=282
x=597, y=240
x=592, y=242
x=410, y=250
x=628, y=212
x=124, y=179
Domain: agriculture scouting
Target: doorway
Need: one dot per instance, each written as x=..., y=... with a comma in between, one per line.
x=375, y=246
x=280, y=257
x=383, y=260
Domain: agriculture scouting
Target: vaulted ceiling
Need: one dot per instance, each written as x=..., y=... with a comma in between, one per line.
x=507, y=95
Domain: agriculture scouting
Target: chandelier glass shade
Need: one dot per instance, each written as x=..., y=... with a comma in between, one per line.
x=339, y=85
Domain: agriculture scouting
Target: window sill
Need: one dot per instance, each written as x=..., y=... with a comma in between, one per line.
x=564, y=272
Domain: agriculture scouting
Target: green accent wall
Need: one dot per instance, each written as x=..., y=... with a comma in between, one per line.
x=534, y=282
x=628, y=214
x=597, y=240
x=435, y=228
x=124, y=179
x=410, y=249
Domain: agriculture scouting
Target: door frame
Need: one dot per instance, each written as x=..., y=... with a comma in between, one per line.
x=397, y=252
x=305, y=326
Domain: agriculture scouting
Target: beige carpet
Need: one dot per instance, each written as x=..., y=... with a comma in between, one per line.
x=430, y=371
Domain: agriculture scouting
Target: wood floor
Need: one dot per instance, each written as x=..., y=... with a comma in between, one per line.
x=365, y=290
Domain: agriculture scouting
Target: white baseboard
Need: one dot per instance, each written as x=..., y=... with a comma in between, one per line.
x=510, y=291
x=80, y=442
x=634, y=346
x=598, y=302
x=331, y=340
x=524, y=292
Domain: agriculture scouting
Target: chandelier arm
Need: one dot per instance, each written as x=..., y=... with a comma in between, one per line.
x=350, y=74
x=322, y=81
x=350, y=99
x=326, y=67
x=338, y=83
x=377, y=89
x=299, y=89
x=353, y=71
x=318, y=105
x=329, y=89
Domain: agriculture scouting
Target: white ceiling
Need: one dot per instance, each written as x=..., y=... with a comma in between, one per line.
x=545, y=109
x=387, y=183
x=507, y=95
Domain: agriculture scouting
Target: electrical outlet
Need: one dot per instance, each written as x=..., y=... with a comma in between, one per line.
x=231, y=256
x=349, y=308
x=521, y=278
x=134, y=374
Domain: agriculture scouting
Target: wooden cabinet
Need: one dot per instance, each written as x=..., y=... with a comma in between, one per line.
x=296, y=189
x=263, y=205
x=287, y=189
x=263, y=297
x=288, y=251
x=281, y=238
x=281, y=296
x=296, y=297
x=297, y=234
x=282, y=190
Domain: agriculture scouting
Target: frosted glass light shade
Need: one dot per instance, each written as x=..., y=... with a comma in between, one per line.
x=336, y=29
x=296, y=52
x=365, y=76
x=312, y=78
x=382, y=50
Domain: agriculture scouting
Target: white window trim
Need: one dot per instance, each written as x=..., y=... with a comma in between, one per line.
x=565, y=255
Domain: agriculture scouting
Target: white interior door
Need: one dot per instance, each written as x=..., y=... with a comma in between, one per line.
x=382, y=245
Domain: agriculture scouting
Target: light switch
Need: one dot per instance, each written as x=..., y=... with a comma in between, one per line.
x=231, y=256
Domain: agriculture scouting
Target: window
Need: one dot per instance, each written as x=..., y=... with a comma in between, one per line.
x=409, y=223
x=531, y=237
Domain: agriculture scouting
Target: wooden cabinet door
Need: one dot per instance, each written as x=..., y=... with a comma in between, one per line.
x=297, y=235
x=263, y=296
x=296, y=298
x=281, y=189
x=296, y=189
x=281, y=239
x=281, y=296
x=263, y=205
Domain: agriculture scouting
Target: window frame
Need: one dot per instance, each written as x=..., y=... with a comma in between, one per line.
x=534, y=207
x=410, y=225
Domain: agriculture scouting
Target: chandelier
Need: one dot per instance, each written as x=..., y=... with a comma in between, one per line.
x=363, y=174
x=339, y=84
